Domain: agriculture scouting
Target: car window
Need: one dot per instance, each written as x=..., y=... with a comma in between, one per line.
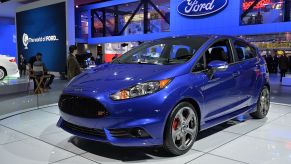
x=176, y=49
x=244, y=51
x=200, y=65
x=219, y=51
x=149, y=53
x=163, y=52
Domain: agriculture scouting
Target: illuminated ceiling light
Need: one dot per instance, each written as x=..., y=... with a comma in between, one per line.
x=77, y=6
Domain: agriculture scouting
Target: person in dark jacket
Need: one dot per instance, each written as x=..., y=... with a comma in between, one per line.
x=283, y=65
x=274, y=62
x=22, y=66
x=269, y=63
x=73, y=65
x=289, y=63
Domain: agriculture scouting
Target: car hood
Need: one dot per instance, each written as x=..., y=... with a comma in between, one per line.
x=120, y=76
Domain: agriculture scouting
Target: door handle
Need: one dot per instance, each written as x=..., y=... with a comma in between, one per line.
x=236, y=74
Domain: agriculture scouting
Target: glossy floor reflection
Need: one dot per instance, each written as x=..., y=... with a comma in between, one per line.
x=32, y=137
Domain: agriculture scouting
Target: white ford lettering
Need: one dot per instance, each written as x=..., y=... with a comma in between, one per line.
x=195, y=6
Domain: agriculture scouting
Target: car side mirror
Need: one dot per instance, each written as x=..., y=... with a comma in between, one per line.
x=218, y=65
x=215, y=66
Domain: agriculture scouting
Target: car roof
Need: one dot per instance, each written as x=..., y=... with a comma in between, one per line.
x=206, y=36
x=209, y=36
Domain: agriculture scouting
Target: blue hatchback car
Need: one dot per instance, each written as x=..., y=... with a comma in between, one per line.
x=163, y=92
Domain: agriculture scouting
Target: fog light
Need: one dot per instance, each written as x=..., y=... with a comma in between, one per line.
x=139, y=133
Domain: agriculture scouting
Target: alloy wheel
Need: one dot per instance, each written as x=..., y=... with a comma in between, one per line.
x=264, y=104
x=184, y=128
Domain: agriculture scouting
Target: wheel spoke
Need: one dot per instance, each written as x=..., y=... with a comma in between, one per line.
x=190, y=117
x=189, y=131
x=183, y=145
x=180, y=116
x=262, y=105
x=176, y=134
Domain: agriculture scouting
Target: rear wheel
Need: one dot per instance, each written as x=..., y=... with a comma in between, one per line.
x=263, y=104
x=2, y=73
x=181, y=129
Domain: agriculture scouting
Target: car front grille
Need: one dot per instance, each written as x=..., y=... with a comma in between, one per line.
x=82, y=106
x=99, y=133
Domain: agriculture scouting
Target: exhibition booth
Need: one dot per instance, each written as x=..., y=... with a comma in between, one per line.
x=132, y=99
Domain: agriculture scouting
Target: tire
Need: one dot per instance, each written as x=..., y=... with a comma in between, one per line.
x=263, y=104
x=179, y=136
x=2, y=73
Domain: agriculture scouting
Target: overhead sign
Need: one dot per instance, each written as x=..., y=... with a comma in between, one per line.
x=198, y=8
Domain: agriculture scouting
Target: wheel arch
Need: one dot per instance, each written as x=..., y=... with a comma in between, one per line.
x=196, y=107
x=5, y=71
x=268, y=86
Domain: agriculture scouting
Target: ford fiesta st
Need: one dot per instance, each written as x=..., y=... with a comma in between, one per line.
x=164, y=92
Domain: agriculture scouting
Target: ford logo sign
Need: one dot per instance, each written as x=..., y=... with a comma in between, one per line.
x=198, y=8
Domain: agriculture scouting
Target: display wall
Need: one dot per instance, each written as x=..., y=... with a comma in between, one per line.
x=7, y=40
x=43, y=30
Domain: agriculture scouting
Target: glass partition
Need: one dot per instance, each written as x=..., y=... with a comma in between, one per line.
x=141, y=17
x=264, y=11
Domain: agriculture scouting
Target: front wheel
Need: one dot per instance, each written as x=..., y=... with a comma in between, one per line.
x=263, y=104
x=2, y=73
x=181, y=129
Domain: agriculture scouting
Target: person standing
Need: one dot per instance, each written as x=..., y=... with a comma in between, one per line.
x=274, y=62
x=269, y=62
x=22, y=66
x=283, y=65
x=73, y=66
x=259, y=18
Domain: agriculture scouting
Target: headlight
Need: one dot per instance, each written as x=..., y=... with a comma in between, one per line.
x=140, y=89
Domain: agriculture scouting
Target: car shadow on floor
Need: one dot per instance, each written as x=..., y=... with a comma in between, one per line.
x=139, y=154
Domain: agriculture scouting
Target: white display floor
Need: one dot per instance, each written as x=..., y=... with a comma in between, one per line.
x=33, y=138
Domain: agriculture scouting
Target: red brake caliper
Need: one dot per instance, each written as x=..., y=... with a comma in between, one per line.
x=175, y=124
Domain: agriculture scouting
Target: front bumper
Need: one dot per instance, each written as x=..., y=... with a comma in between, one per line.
x=110, y=135
x=149, y=114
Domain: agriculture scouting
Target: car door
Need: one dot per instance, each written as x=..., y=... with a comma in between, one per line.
x=221, y=91
x=247, y=58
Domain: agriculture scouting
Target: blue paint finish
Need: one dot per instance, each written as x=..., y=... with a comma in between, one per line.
x=218, y=99
x=225, y=22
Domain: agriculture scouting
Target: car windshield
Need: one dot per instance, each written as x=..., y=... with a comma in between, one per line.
x=163, y=52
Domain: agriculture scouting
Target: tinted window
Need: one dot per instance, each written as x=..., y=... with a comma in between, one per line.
x=219, y=51
x=244, y=51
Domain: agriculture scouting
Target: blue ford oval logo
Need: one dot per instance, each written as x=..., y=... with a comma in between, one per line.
x=197, y=8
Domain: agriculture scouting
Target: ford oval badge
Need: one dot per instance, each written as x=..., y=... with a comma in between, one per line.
x=198, y=8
